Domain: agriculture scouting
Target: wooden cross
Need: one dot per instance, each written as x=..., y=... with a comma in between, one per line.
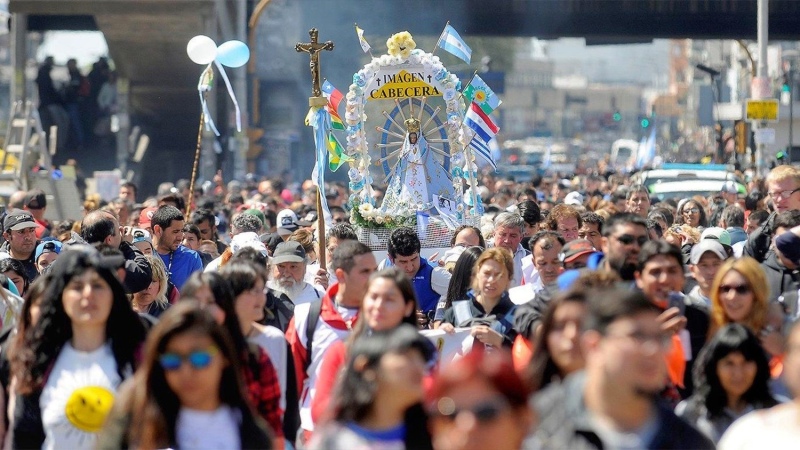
x=313, y=48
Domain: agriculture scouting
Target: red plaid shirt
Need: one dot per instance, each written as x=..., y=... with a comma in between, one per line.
x=265, y=391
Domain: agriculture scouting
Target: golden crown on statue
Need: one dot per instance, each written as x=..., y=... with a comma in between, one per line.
x=412, y=125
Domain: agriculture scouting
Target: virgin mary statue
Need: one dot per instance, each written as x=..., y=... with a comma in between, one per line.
x=416, y=177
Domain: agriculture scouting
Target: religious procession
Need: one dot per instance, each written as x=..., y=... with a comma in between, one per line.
x=431, y=282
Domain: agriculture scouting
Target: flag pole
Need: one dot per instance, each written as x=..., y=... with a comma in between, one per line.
x=440, y=38
x=473, y=184
x=317, y=102
x=355, y=24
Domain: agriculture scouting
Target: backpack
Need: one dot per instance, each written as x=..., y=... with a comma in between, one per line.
x=311, y=325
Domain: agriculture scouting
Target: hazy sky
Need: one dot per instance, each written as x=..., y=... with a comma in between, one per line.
x=85, y=46
x=628, y=63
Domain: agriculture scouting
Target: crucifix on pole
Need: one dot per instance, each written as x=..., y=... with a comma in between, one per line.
x=316, y=100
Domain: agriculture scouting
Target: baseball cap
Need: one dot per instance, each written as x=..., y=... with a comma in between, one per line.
x=574, y=198
x=729, y=187
x=575, y=249
x=140, y=234
x=146, y=216
x=289, y=251
x=52, y=246
x=247, y=239
x=707, y=245
x=717, y=233
x=35, y=199
x=18, y=220
x=287, y=222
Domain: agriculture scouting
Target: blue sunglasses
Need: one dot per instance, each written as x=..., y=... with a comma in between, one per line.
x=199, y=359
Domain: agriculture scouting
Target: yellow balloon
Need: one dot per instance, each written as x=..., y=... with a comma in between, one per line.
x=88, y=407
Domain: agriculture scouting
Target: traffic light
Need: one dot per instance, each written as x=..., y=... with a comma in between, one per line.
x=740, y=129
x=644, y=121
x=617, y=116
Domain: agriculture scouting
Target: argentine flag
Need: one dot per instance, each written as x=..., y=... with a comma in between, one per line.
x=451, y=42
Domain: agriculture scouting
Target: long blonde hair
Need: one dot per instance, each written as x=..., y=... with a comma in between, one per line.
x=751, y=270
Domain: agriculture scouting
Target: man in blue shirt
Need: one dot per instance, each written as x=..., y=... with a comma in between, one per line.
x=181, y=262
x=430, y=283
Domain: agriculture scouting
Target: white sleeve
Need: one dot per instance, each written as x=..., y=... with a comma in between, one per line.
x=440, y=280
x=738, y=435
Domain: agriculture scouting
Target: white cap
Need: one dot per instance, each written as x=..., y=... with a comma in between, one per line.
x=574, y=198
x=729, y=187
x=286, y=221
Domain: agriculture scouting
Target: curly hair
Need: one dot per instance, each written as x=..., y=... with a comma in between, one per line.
x=42, y=343
x=561, y=212
x=403, y=242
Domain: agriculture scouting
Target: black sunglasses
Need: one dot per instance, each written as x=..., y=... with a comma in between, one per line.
x=627, y=239
x=740, y=289
x=484, y=412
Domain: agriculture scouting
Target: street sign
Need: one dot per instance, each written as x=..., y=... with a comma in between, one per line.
x=762, y=110
x=765, y=136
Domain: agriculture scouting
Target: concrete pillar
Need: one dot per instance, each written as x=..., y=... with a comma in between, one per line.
x=19, y=40
x=124, y=123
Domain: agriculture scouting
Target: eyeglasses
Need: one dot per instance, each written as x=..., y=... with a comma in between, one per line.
x=483, y=412
x=691, y=210
x=782, y=194
x=199, y=359
x=627, y=239
x=740, y=289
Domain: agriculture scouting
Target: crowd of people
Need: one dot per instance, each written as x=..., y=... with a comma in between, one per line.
x=80, y=105
x=597, y=317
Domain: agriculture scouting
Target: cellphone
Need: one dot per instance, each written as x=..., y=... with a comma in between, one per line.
x=676, y=300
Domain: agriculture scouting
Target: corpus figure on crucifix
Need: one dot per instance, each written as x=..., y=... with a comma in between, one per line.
x=313, y=48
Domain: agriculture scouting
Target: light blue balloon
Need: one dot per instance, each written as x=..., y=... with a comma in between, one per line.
x=233, y=54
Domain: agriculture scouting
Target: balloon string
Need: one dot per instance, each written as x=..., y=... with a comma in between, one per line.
x=231, y=94
x=203, y=87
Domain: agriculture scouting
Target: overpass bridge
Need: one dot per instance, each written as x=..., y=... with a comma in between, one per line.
x=147, y=39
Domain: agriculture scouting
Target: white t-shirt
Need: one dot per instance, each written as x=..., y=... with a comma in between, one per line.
x=777, y=427
x=308, y=294
x=78, y=396
x=272, y=341
x=208, y=429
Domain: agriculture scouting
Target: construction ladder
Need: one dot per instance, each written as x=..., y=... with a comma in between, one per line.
x=25, y=145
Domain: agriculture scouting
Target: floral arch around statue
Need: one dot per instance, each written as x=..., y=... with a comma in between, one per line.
x=422, y=156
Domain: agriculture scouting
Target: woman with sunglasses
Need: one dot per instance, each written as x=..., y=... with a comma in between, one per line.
x=389, y=302
x=378, y=400
x=731, y=378
x=691, y=213
x=153, y=300
x=739, y=295
x=70, y=364
x=187, y=392
x=479, y=402
x=216, y=295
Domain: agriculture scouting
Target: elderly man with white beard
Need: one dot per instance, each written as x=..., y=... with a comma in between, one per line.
x=288, y=266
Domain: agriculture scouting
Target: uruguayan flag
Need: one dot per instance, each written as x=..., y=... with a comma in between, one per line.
x=482, y=149
x=451, y=42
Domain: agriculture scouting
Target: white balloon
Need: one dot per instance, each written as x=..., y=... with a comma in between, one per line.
x=201, y=49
